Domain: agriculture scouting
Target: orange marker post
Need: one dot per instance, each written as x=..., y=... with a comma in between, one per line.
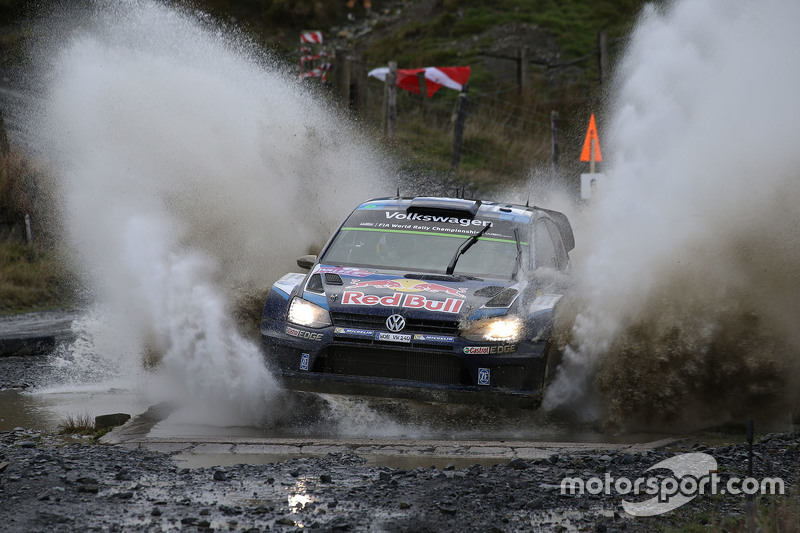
x=591, y=146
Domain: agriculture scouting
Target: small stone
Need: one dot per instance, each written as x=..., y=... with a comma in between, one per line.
x=86, y=480
x=219, y=475
x=294, y=473
x=155, y=512
x=188, y=521
x=286, y=521
x=26, y=444
x=535, y=503
x=448, y=509
x=405, y=505
x=450, y=466
x=384, y=476
x=91, y=489
x=518, y=464
x=326, y=478
x=205, y=512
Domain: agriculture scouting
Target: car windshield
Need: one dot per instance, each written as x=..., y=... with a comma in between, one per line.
x=422, y=251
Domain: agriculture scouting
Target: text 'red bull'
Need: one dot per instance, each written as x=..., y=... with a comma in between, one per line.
x=408, y=285
x=408, y=301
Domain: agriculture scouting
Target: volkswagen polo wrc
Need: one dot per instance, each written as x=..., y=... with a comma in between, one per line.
x=443, y=299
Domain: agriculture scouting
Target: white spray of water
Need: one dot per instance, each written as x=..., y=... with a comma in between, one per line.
x=690, y=280
x=188, y=165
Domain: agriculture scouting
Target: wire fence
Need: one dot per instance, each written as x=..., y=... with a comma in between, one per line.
x=502, y=136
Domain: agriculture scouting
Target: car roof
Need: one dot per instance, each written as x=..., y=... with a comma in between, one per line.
x=455, y=207
x=462, y=207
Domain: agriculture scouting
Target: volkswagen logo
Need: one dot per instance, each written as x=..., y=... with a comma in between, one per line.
x=395, y=323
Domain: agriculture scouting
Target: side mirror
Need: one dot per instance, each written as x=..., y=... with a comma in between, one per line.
x=306, y=261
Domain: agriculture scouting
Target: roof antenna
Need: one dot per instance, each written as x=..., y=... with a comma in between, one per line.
x=530, y=190
x=398, y=192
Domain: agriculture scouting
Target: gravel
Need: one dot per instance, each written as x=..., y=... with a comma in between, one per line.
x=52, y=483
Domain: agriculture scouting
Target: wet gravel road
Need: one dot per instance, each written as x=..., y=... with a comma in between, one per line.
x=49, y=484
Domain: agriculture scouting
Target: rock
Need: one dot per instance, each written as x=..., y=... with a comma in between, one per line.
x=26, y=444
x=518, y=464
x=188, y=521
x=86, y=480
x=294, y=473
x=448, y=509
x=384, y=476
x=155, y=512
x=450, y=466
x=285, y=521
x=110, y=421
x=326, y=478
x=219, y=475
x=536, y=503
x=91, y=489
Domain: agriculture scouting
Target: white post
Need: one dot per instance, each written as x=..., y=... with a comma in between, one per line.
x=28, y=231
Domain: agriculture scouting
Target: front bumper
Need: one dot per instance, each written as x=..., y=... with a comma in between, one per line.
x=449, y=369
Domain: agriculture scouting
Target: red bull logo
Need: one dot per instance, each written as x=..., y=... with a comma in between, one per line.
x=408, y=301
x=409, y=285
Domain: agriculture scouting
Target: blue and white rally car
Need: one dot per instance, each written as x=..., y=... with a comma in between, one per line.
x=442, y=299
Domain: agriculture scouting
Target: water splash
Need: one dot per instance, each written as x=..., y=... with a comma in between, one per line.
x=690, y=281
x=188, y=164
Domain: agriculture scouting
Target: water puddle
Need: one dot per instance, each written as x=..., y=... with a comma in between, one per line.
x=47, y=410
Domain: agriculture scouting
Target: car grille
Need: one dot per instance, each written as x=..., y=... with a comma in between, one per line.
x=439, y=368
x=415, y=325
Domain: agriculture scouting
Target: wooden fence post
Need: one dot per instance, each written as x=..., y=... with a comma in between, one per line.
x=390, y=102
x=458, y=131
x=554, y=138
x=522, y=69
x=343, y=73
x=602, y=55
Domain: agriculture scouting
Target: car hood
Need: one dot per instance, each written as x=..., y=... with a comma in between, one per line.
x=414, y=295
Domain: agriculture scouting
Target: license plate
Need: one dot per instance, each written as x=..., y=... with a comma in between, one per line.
x=393, y=337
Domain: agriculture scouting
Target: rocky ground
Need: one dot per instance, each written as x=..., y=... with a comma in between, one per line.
x=48, y=483
x=55, y=483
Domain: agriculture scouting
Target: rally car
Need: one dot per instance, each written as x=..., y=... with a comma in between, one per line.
x=442, y=299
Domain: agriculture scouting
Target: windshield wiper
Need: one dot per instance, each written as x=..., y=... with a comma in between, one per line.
x=519, y=255
x=463, y=249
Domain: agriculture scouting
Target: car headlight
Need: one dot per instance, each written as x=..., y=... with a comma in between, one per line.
x=504, y=328
x=304, y=313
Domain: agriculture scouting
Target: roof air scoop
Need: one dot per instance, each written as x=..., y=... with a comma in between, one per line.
x=457, y=207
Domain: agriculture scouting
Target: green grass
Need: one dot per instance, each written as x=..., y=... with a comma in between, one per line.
x=77, y=425
x=32, y=278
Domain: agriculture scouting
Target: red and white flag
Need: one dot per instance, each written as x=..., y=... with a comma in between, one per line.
x=311, y=37
x=435, y=78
